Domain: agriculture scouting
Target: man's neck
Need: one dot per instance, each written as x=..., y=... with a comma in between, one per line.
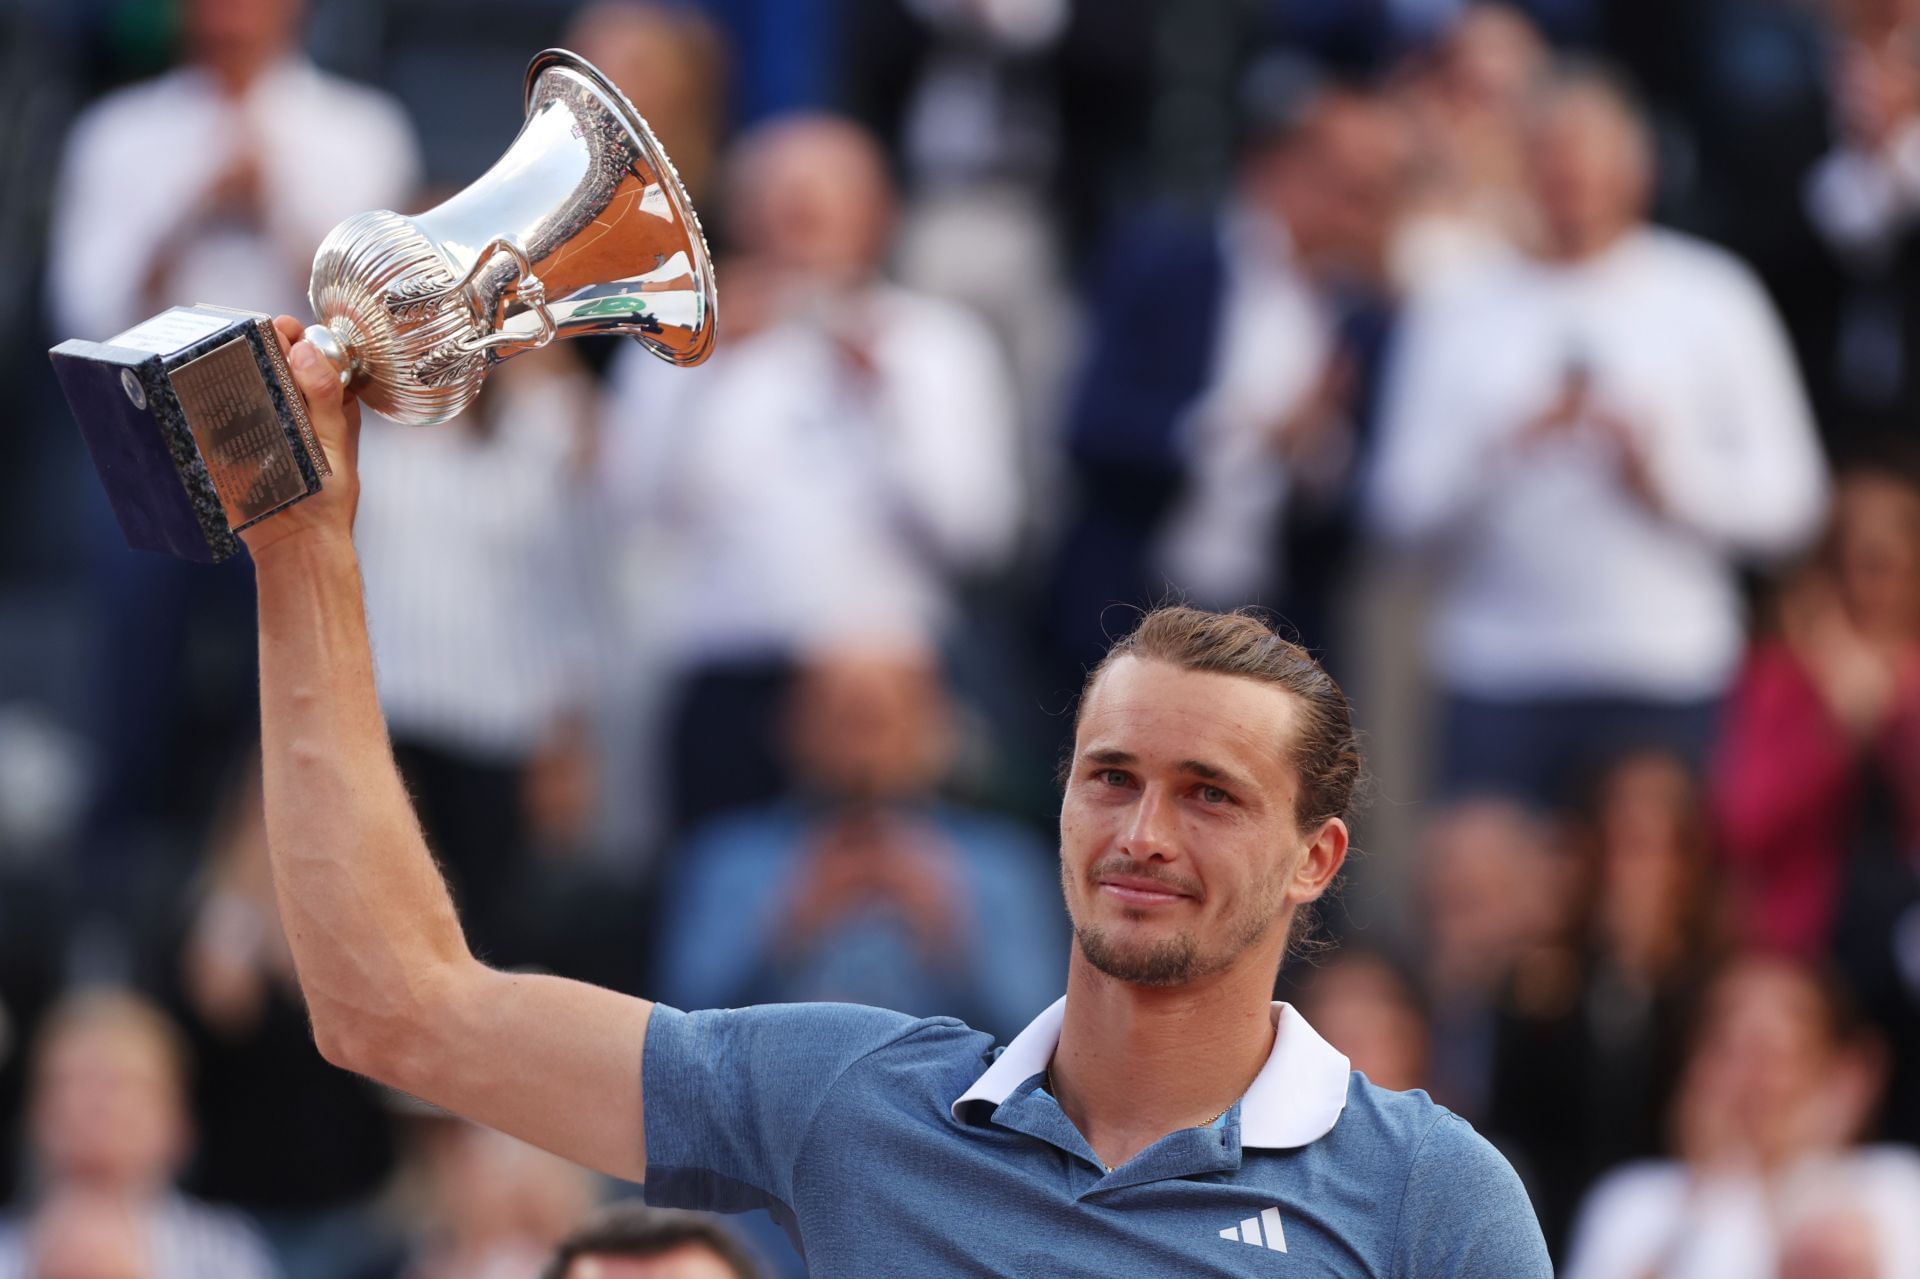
x=234, y=74
x=1575, y=247
x=1136, y=1063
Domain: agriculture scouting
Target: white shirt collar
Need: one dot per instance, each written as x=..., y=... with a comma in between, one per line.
x=1295, y=1099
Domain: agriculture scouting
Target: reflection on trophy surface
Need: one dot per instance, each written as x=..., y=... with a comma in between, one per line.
x=581, y=227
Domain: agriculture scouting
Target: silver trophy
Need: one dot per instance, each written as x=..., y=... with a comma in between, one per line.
x=581, y=227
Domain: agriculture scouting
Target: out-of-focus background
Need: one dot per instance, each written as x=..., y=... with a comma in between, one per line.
x=1551, y=369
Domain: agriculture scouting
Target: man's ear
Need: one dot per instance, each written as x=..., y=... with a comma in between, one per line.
x=1321, y=863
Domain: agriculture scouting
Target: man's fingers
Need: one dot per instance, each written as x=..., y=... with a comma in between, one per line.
x=316, y=377
x=288, y=330
x=319, y=381
x=335, y=416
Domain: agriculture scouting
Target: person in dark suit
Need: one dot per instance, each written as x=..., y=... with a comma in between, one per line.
x=1229, y=369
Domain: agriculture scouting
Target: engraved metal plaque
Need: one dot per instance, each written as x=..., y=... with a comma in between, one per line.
x=234, y=422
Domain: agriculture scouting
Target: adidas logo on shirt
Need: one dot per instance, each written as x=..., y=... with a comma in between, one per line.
x=1262, y=1232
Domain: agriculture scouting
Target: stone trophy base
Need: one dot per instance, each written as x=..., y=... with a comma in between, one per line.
x=195, y=426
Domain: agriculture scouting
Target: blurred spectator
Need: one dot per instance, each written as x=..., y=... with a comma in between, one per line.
x=629, y=1240
x=1592, y=439
x=1367, y=1006
x=841, y=466
x=1227, y=359
x=959, y=88
x=480, y=573
x=495, y=1207
x=110, y=1130
x=1593, y=1027
x=1822, y=743
x=1862, y=197
x=1769, y=1178
x=213, y=183
x=966, y=96
x=671, y=62
x=1817, y=782
x=863, y=885
x=1494, y=892
x=1467, y=101
x=1740, y=96
x=250, y=186
x=84, y=1234
x=302, y=1146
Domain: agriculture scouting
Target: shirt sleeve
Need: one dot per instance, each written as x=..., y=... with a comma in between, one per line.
x=951, y=453
x=731, y=1095
x=1751, y=478
x=1464, y=1213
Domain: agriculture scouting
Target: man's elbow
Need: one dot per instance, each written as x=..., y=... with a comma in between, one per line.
x=343, y=1045
x=389, y=1042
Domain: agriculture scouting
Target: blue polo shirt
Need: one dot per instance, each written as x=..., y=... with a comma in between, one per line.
x=890, y=1145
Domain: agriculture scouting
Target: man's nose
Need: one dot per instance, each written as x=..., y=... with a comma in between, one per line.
x=1150, y=835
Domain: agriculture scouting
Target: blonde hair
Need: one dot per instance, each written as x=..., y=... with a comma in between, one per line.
x=114, y=1010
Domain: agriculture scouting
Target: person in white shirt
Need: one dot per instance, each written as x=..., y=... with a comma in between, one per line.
x=1590, y=441
x=216, y=182
x=845, y=462
x=1770, y=1180
x=110, y=1130
x=212, y=183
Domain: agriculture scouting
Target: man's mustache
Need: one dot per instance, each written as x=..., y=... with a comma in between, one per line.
x=1144, y=870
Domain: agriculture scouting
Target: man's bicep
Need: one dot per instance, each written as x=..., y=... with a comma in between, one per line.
x=554, y=1062
x=733, y=1095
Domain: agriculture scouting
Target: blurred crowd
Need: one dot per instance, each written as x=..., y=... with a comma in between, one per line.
x=1550, y=368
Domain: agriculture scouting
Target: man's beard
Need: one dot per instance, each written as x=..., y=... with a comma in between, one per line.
x=1163, y=963
x=1176, y=960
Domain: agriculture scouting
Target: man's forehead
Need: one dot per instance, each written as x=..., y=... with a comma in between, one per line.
x=1140, y=704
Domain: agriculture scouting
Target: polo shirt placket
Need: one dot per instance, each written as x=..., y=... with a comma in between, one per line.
x=1190, y=1152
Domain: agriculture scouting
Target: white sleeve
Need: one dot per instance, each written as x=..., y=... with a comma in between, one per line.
x=951, y=445
x=102, y=243
x=1433, y=461
x=1752, y=477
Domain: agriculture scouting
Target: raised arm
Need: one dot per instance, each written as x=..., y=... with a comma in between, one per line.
x=390, y=984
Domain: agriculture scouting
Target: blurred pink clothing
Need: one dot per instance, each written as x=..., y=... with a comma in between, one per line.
x=1786, y=789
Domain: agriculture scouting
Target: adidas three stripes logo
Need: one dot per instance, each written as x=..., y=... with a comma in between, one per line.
x=1262, y=1232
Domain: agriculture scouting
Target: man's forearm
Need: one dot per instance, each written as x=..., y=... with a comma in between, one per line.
x=365, y=910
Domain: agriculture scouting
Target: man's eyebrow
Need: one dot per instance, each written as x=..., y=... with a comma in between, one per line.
x=1114, y=757
x=1213, y=773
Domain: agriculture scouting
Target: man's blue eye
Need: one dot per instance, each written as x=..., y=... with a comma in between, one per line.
x=1113, y=777
x=1214, y=795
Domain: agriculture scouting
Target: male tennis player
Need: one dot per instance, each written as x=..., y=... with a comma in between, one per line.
x=1165, y=1118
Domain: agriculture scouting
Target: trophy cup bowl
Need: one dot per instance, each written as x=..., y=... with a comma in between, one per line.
x=581, y=227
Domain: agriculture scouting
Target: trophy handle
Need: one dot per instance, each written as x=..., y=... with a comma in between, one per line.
x=527, y=290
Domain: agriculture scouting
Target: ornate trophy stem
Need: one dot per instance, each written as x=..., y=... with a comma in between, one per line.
x=328, y=343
